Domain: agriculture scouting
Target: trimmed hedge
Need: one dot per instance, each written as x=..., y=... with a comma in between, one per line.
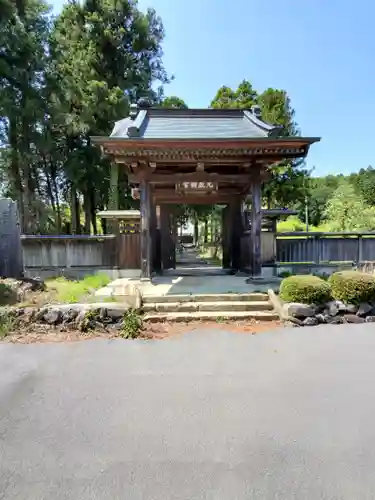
x=353, y=287
x=306, y=289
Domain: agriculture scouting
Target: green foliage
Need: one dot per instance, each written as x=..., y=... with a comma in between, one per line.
x=305, y=289
x=244, y=97
x=173, y=102
x=360, y=189
x=132, y=324
x=290, y=224
x=7, y=323
x=87, y=322
x=7, y=294
x=347, y=211
x=364, y=182
x=353, y=287
x=287, y=184
x=61, y=80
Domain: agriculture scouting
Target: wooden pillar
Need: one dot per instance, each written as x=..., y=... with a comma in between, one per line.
x=174, y=237
x=256, y=226
x=225, y=237
x=155, y=239
x=165, y=237
x=145, y=206
x=236, y=233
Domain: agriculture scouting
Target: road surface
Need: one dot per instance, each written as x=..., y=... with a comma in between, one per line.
x=211, y=415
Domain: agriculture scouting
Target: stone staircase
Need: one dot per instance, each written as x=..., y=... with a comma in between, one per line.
x=209, y=307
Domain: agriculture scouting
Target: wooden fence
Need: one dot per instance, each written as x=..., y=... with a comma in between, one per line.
x=268, y=249
x=75, y=255
x=317, y=248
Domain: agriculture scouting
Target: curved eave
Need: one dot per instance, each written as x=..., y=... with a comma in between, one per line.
x=202, y=143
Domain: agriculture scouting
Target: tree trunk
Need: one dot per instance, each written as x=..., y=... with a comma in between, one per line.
x=15, y=172
x=206, y=230
x=75, y=225
x=196, y=232
x=56, y=195
x=93, y=219
x=87, y=210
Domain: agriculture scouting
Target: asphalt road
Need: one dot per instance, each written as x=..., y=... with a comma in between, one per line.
x=210, y=415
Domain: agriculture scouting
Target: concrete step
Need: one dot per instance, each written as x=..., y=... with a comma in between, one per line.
x=222, y=297
x=210, y=316
x=214, y=307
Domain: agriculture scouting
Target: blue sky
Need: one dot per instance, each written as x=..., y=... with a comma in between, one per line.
x=321, y=52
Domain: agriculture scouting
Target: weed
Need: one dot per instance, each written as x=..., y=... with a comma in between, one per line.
x=7, y=295
x=87, y=323
x=132, y=324
x=7, y=324
x=220, y=319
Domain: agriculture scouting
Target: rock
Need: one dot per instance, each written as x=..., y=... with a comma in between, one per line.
x=370, y=319
x=335, y=320
x=364, y=309
x=335, y=307
x=298, y=310
x=116, y=314
x=310, y=321
x=103, y=313
x=120, y=325
x=34, y=284
x=351, y=309
x=332, y=308
x=341, y=306
x=29, y=315
x=295, y=321
x=52, y=316
x=322, y=318
x=69, y=315
x=130, y=294
x=39, y=316
x=80, y=316
x=352, y=318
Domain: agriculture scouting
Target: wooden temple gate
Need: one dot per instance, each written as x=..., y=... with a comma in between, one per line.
x=207, y=156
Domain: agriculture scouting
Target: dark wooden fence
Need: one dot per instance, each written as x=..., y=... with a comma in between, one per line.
x=72, y=254
x=129, y=251
x=317, y=248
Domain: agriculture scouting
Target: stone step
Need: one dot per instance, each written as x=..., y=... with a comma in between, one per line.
x=222, y=297
x=215, y=307
x=186, y=317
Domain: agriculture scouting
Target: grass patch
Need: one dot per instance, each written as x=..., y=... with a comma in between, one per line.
x=72, y=291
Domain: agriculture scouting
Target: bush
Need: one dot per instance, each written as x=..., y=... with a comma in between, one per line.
x=132, y=324
x=7, y=294
x=306, y=289
x=353, y=287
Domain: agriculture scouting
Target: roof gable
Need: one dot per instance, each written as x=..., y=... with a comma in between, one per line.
x=175, y=123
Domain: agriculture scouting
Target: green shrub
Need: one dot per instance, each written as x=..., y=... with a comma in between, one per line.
x=306, y=289
x=132, y=324
x=353, y=287
x=7, y=294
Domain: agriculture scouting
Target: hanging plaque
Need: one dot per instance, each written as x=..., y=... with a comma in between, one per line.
x=196, y=187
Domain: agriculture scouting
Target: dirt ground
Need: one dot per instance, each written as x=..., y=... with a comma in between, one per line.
x=34, y=333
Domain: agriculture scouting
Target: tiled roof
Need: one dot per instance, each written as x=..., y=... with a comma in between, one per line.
x=173, y=123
